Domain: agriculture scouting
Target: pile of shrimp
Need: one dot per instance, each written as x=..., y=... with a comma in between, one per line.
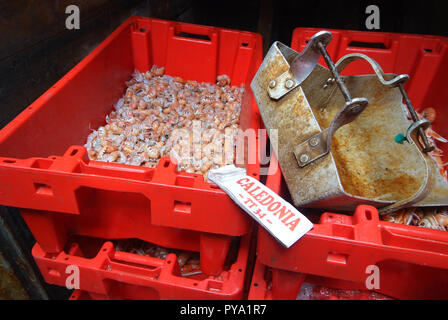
x=434, y=138
x=318, y=292
x=432, y=218
x=160, y=115
x=188, y=261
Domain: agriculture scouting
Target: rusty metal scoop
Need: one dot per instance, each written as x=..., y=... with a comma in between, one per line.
x=345, y=140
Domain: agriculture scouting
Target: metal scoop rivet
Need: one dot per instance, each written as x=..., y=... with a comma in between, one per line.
x=272, y=84
x=314, y=142
x=304, y=158
x=289, y=84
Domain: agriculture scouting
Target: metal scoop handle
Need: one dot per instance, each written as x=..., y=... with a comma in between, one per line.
x=428, y=181
x=397, y=81
x=319, y=145
x=300, y=68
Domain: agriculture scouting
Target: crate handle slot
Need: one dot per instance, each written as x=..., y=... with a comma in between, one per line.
x=337, y=258
x=193, y=32
x=370, y=45
x=182, y=207
x=193, y=36
x=43, y=189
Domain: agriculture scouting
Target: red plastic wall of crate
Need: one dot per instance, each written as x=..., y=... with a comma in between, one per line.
x=120, y=275
x=413, y=261
x=64, y=195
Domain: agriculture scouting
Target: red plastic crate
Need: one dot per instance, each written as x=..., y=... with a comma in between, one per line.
x=45, y=172
x=413, y=261
x=262, y=289
x=117, y=275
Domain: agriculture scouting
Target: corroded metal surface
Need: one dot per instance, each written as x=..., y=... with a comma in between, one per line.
x=370, y=163
x=301, y=65
x=293, y=118
x=365, y=164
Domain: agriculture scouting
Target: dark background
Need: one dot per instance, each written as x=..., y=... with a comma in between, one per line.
x=36, y=50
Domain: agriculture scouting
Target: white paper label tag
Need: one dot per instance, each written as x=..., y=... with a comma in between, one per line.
x=283, y=221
